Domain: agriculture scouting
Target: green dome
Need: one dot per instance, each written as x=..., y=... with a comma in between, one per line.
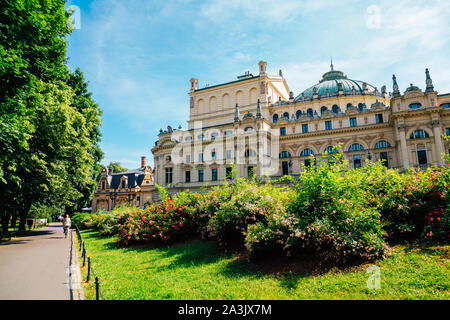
x=330, y=83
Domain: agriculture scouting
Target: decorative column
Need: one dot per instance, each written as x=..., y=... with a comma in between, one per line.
x=438, y=141
x=403, y=147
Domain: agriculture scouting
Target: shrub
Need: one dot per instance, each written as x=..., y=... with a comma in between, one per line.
x=329, y=215
x=164, y=222
x=248, y=203
x=82, y=220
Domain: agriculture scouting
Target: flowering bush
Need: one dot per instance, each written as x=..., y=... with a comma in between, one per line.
x=405, y=200
x=248, y=204
x=160, y=223
x=329, y=215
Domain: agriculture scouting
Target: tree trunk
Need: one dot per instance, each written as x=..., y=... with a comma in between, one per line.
x=23, y=214
x=13, y=221
x=5, y=221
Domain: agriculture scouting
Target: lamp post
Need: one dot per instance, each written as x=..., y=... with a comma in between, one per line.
x=369, y=156
x=130, y=196
x=113, y=196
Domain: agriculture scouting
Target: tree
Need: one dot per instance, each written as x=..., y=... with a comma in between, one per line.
x=116, y=167
x=49, y=124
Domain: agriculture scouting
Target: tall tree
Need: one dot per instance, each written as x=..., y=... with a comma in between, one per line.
x=49, y=125
x=116, y=167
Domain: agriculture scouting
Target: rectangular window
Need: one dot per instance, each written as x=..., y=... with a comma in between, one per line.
x=250, y=171
x=304, y=128
x=285, y=168
x=201, y=175
x=200, y=157
x=353, y=122
x=228, y=173
x=447, y=131
x=357, y=161
x=379, y=118
x=384, y=158
x=188, y=158
x=328, y=125
x=213, y=155
x=282, y=131
x=229, y=154
x=187, y=176
x=214, y=174
x=422, y=157
x=168, y=175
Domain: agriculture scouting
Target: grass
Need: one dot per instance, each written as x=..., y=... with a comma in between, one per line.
x=199, y=270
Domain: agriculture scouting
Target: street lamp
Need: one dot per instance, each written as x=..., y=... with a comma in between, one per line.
x=130, y=196
x=113, y=197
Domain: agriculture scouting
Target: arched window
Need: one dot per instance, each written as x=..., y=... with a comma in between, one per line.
x=306, y=153
x=248, y=129
x=349, y=105
x=284, y=155
x=201, y=137
x=355, y=147
x=188, y=139
x=275, y=118
x=419, y=134
x=214, y=135
x=414, y=105
x=286, y=115
x=382, y=144
x=298, y=113
x=323, y=109
x=309, y=112
x=335, y=109
x=329, y=149
x=446, y=105
x=361, y=106
x=228, y=132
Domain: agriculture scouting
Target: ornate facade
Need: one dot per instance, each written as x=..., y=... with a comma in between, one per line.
x=134, y=187
x=258, y=125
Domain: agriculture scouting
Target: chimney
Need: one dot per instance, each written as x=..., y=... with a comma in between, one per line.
x=143, y=160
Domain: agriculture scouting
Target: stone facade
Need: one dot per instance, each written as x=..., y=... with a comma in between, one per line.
x=133, y=187
x=256, y=124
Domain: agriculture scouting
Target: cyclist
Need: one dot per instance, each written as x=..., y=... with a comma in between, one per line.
x=66, y=225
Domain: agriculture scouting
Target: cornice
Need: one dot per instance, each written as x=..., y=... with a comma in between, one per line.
x=335, y=131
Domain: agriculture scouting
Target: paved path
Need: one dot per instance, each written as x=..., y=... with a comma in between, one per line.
x=36, y=266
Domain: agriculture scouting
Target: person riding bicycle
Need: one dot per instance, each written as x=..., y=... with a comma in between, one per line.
x=66, y=224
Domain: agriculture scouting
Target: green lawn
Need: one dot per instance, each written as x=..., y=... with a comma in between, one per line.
x=198, y=270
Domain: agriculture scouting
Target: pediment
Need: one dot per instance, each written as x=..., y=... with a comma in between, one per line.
x=414, y=94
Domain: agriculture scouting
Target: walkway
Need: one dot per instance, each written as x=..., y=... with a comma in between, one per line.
x=36, y=266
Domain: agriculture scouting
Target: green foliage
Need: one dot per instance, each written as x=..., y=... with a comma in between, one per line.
x=116, y=167
x=329, y=215
x=164, y=222
x=249, y=203
x=49, y=124
x=82, y=220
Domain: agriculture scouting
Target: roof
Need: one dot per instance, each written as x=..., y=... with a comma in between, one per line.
x=134, y=178
x=223, y=84
x=330, y=85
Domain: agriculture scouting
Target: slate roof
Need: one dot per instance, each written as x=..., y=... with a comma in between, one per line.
x=134, y=177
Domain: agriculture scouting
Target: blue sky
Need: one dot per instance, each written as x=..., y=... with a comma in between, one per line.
x=138, y=55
